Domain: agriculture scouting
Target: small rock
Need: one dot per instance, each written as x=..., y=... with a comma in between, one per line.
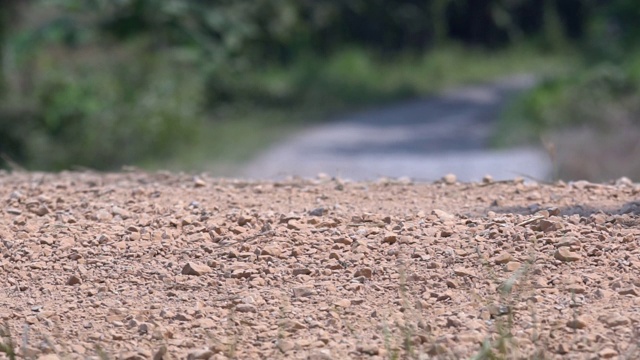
x=285, y=345
x=102, y=215
x=512, y=266
x=442, y=215
x=563, y=349
x=575, y=289
x=628, y=291
x=450, y=179
x=271, y=251
x=614, y=320
x=200, y=354
x=563, y=254
x=160, y=353
x=453, y=322
x=343, y=303
x=300, y=292
x=39, y=210
x=370, y=349
x=322, y=354
x=317, y=212
x=503, y=258
x=437, y=349
x=390, y=238
x=73, y=280
x=607, y=353
x=245, y=308
x=49, y=357
x=198, y=182
x=292, y=325
x=460, y=271
x=579, y=322
x=135, y=355
x=301, y=271
x=366, y=272
x=546, y=225
x=195, y=269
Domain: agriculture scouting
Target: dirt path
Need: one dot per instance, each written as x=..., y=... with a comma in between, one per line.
x=166, y=266
x=422, y=139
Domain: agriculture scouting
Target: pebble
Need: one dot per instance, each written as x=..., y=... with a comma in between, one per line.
x=343, y=303
x=300, y=292
x=564, y=254
x=503, y=258
x=73, y=280
x=450, y=179
x=246, y=308
x=580, y=322
x=195, y=269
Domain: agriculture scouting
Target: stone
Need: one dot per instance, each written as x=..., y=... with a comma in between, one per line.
x=463, y=272
x=512, y=266
x=74, y=280
x=614, y=320
x=300, y=292
x=628, y=291
x=301, y=271
x=390, y=238
x=49, y=357
x=579, y=322
x=607, y=353
x=285, y=345
x=317, y=212
x=321, y=354
x=160, y=353
x=368, y=349
x=450, y=179
x=198, y=182
x=200, y=354
x=502, y=258
x=196, y=269
x=246, y=308
x=343, y=303
x=366, y=272
x=564, y=254
x=443, y=215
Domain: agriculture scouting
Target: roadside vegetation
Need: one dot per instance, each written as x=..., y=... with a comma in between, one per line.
x=588, y=118
x=183, y=85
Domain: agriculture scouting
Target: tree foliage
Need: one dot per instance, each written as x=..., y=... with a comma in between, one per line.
x=79, y=75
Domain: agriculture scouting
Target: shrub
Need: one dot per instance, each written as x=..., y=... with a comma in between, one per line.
x=98, y=109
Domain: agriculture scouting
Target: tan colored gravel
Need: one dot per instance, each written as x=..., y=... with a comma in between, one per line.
x=167, y=266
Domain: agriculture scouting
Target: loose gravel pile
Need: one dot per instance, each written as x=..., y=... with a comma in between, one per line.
x=168, y=266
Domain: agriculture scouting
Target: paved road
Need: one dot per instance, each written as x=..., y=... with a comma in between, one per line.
x=422, y=139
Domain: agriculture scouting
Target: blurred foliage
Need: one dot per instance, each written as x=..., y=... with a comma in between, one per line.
x=100, y=83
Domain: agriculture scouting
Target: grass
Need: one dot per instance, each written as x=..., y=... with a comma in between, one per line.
x=257, y=108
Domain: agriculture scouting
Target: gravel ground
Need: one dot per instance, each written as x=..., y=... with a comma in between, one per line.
x=167, y=266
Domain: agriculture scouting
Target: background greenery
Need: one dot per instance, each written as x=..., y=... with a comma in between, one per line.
x=188, y=83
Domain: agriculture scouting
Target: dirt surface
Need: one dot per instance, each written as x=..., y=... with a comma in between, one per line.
x=422, y=138
x=167, y=266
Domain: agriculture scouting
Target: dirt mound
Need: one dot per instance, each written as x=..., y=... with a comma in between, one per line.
x=137, y=266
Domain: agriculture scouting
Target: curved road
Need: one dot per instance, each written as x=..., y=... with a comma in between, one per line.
x=422, y=139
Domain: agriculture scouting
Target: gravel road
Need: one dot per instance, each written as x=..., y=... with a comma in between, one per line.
x=163, y=266
x=422, y=139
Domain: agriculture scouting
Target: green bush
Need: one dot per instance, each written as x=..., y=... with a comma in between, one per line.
x=100, y=110
x=602, y=96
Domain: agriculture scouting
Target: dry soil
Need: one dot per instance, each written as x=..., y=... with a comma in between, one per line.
x=168, y=266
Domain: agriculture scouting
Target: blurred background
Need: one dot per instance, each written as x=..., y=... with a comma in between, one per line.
x=206, y=85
